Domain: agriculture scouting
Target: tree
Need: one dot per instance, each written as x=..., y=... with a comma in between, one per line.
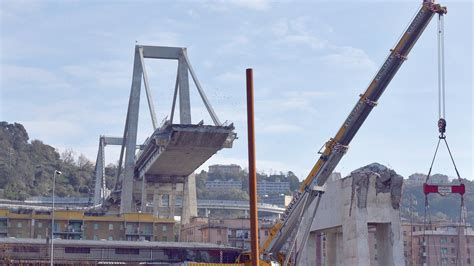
x=26, y=169
x=67, y=156
x=83, y=162
x=293, y=179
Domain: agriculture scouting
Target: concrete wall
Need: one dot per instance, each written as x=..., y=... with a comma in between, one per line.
x=369, y=196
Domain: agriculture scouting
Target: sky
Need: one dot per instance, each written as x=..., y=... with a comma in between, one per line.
x=66, y=69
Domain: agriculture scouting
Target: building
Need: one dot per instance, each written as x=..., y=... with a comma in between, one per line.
x=440, y=245
x=419, y=179
x=269, y=187
x=76, y=224
x=407, y=242
x=280, y=200
x=231, y=169
x=439, y=179
x=439, y=248
x=220, y=185
x=409, y=230
x=416, y=179
x=447, y=244
x=228, y=232
x=27, y=251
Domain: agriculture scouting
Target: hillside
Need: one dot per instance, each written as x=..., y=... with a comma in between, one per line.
x=26, y=167
x=242, y=194
x=442, y=208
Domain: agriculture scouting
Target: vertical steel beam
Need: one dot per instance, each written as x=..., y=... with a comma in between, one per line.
x=131, y=136
x=252, y=170
x=184, y=99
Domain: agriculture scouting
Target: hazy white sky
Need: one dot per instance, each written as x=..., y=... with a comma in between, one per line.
x=66, y=70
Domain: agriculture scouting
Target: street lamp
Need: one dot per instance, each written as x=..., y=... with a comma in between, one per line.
x=56, y=172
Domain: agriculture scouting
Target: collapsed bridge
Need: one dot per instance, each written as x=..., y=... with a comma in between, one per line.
x=160, y=171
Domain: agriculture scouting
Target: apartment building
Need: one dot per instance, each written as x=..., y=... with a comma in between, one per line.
x=418, y=179
x=231, y=169
x=280, y=200
x=269, y=187
x=221, y=185
x=75, y=224
x=229, y=232
x=448, y=244
x=437, y=244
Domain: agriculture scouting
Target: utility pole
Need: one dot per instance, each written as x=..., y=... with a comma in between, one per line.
x=52, y=218
x=252, y=170
x=411, y=231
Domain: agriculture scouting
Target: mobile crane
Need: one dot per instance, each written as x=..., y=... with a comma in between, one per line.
x=294, y=223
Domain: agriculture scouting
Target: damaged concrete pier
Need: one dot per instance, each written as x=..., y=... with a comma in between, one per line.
x=368, y=197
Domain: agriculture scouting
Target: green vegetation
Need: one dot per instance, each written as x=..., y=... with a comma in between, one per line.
x=442, y=208
x=242, y=176
x=26, y=168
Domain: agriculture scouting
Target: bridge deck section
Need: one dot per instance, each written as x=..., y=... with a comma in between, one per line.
x=178, y=150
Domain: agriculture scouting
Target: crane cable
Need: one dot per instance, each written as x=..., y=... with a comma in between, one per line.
x=442, y=137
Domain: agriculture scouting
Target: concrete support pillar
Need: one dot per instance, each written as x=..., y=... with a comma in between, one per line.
x=172, y=202
x=32, y=228
x=339, y=248
x=396, y=233
x=384, y=243
x=157, y=202
x=131, y=136
x=184, y=99
x=319, y=249
x=331, y=248
x=308, y=256
x=388, y=242
x=144, y=195
x=189, y=206
x=355, y=234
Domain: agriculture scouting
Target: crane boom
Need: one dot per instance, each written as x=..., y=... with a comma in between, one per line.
x=336, y=147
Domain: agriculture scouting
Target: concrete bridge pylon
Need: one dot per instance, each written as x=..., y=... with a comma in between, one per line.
x=164, y=164
x=358, y=221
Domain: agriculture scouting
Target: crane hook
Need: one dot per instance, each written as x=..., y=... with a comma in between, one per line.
x=442, y=128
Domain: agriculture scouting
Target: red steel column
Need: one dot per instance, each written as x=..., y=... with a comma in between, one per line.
x=252, y=170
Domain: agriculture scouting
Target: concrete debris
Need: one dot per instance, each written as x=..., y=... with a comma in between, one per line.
x=387, y=181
